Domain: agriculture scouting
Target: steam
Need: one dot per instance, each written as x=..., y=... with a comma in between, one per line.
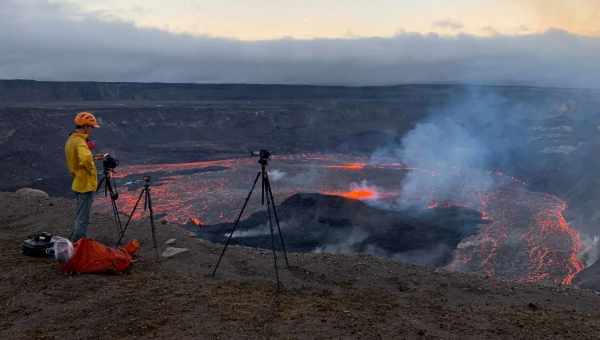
x=454, y=151
x=344, y=244
x=276, y=175
x=261, y=230
x=457, y=157
x=591, y=252
x=351, y=244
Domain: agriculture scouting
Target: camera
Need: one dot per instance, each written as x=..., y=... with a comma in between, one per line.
x=263, y=155
x=110, y=163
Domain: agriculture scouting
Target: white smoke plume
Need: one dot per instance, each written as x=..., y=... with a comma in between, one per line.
x=591, y=250
x=276, y=175
x=453, y=152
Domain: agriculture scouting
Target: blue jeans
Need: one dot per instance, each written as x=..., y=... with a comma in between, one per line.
x=82, y=215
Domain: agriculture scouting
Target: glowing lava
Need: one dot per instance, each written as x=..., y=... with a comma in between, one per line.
x=196, y=221
x=357, y=166
x=527, y=238
x=361, y=194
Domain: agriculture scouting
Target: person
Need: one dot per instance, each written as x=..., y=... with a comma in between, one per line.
x=82, y=168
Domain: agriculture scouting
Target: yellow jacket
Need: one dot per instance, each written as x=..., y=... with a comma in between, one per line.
x=80, y=163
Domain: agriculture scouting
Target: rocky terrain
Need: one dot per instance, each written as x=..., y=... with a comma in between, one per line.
x=323, y=296
x=589, y=278
x=333, y=224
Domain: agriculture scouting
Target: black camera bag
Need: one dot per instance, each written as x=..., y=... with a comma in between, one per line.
x=38, y=245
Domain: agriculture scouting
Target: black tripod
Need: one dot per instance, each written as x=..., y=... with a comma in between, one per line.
x=110, y=190
x=268, y=193
x=145, y=193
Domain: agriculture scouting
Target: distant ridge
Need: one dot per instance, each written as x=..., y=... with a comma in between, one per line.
x=20, y=90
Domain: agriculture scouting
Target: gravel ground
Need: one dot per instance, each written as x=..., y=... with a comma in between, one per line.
x=323, y=296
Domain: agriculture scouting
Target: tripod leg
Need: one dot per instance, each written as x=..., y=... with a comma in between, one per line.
x=116, y=216
x=130, y=217
x=265, y=186
x=100, y=183
x=148, y=203
x=262, y=189
x=235, y=225
x=270, y=194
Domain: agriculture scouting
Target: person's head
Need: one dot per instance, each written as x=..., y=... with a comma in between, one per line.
x=85, y=122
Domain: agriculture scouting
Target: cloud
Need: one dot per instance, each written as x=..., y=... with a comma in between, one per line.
x=53, y=42
x=450, y=24
x=490, y=30
x=581, y=16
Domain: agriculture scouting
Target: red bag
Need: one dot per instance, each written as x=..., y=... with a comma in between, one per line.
x=93, y=257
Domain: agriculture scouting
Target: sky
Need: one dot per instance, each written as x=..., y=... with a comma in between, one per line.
x=359, y=42
x=271, y=19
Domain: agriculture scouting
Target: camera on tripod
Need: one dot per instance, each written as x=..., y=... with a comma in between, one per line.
x=263, y=156
x=271, y=210
x=109, y=162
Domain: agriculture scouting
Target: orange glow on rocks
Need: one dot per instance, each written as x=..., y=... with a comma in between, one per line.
x=196, y=221
x=349, y=166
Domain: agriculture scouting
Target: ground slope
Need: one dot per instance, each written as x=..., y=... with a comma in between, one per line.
x=325, y=296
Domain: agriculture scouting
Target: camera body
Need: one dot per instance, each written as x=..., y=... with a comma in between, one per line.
x=110, y=163
x=263, y=155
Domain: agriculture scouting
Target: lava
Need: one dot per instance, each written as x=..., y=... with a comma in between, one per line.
x=526, y=239
x=360, y=194
x=196, y=221
x=349, y=166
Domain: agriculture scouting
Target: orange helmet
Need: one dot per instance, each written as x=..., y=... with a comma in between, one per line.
x=86, y=119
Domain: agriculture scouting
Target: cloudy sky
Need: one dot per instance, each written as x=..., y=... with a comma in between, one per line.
x=270, y=19
x=550, y=43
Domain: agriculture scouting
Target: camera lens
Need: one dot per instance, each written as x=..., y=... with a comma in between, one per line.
x=110, y=163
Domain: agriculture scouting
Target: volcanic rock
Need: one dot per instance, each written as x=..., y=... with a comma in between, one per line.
x=589, y=278
x=172, y=251
x=32, y=193
x=323, y=223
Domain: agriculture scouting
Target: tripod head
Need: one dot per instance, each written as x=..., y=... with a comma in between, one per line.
x=147, y=180
x=263, y=156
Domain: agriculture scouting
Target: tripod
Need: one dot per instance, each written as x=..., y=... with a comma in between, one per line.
x=145, y=193
x=110, y=189
x=267, y=193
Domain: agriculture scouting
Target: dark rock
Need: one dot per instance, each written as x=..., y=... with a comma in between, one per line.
x=315, y=222
x=589, y=278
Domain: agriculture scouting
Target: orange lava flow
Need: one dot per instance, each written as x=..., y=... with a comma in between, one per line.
x=528, y=240
x=349, y=166
x=360, y=194
x=552, y=225
x=196, y=221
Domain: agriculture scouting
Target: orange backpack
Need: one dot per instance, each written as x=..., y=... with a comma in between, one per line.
x=91, y=256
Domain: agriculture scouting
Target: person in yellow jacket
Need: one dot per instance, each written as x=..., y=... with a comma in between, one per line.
x=82, y=168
